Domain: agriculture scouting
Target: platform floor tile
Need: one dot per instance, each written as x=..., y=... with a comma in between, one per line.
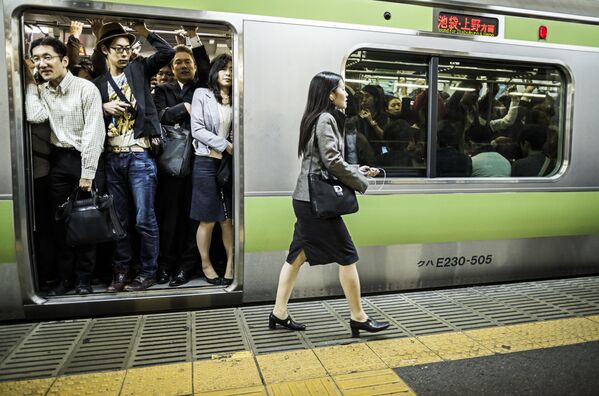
x=501, y=339
x=249, y=391
x=236, y=371
x=403, y=352
x=97, y=384
x=33, y=387
x=168, y=380
x=558, y=332
x=312, y=387
x=377, y=382
x=290, y=366
x=454, y=346
x=346, y=359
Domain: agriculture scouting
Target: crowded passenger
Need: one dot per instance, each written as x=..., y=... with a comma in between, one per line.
x=73, y=108
x=486, y=162
x=211, y=123
x=451, y=162
x=535, y=162
x=400, y=139
x=373, y=117
x=178, y=250
x=132, y=126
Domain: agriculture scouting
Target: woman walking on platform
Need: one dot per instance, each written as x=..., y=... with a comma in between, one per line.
x=317, y=240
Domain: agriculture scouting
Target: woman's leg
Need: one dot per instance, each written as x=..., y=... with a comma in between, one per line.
x=287, y=279
x=227, y=232
x=350, y=282
x=204, y=239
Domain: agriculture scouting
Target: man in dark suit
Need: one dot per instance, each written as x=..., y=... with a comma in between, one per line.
x=173, y=101
x=132, y=125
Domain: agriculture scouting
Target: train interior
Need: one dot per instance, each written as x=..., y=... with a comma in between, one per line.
x=217, y=39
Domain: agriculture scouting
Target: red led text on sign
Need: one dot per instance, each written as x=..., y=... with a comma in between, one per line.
x=467, y=24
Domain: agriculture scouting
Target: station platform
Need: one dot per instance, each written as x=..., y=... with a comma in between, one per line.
x=522, y=338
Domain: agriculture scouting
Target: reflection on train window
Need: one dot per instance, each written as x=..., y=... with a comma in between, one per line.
x=494, y=118
x=504, y=117
x=199, y=43
x=387, y=111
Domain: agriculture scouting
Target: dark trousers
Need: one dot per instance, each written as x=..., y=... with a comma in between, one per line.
x=65, y=172
x=43, y=232
x=131, y=179
x=178, y=248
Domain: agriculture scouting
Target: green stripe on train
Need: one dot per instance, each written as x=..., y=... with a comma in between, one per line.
x=364, y=12
x=345, y=11
x=519, y=28
x=435, y=218
x=7, y=236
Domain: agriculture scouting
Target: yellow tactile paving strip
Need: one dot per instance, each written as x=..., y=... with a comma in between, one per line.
x=355, y=369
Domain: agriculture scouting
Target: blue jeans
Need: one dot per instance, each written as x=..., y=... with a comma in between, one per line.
x=132, y=177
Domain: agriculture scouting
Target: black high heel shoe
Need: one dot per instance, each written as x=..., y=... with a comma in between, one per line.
x=370, y=325
x=273, y=321
x=214, y=281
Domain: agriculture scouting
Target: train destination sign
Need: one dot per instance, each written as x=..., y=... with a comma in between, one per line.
x=454, y=23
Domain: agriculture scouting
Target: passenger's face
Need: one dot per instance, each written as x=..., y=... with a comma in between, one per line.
x=339, y=96
x=224, y=76
x=118, y=53
x=367, y=101
x=50, y=65
x=164, y=75
x=394, y=106
x=184, y=67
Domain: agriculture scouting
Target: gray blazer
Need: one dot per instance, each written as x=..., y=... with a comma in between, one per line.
x=327, y=156
x=205, y=120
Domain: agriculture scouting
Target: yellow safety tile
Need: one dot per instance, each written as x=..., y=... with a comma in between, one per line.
x=594, y=318
x=558, y=332
x=500, y=339
x=26, y=387
x=236, y=371
x=454, y=346
x=169, y=379
x=250, y=391
x=290, y=366
x=106, y=383
x=403, y=352
x=311, y=387
x=378, y=382
x=345, y=359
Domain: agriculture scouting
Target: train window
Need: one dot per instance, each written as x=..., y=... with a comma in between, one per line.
x=387, y=111
x=171, y=87
x=498, y=119
x=493, y=118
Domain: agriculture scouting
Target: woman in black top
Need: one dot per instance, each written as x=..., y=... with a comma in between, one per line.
x=316, y=240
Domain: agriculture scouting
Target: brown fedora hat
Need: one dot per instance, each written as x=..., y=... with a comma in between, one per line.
x=113, y=30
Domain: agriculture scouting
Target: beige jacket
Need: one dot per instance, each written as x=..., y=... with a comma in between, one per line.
x=327, y=156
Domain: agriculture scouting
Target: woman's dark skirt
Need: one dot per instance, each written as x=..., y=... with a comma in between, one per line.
x=209, y=202
x=324, y=241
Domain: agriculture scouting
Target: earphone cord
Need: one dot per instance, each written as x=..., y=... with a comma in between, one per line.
x=384, y=179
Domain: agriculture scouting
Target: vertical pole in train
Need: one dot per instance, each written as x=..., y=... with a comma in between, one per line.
x=431, y=133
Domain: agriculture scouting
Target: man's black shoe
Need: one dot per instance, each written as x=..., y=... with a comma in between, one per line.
x=83, y=287
x=162, y=277
x=118, y=282
x=61, y=289
x=141, y=283
x=180, y=279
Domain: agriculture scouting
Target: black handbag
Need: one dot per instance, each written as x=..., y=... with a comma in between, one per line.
x=224, y=172
x=91, y=220
x=329, y=197
x=175, y=159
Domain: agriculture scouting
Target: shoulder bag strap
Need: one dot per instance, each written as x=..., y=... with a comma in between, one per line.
x=545, y=166
x=117, y=89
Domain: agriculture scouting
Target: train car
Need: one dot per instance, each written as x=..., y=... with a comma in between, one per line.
x=418, y=226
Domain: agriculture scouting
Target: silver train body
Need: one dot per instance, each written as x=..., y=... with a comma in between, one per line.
x=274, y=59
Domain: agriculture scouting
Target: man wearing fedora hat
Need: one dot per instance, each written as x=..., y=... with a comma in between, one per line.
x=132, y=125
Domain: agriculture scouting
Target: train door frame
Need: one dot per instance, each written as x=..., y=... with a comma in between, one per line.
x=38, y=306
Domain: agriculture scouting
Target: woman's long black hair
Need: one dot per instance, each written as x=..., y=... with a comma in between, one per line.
x=219, y=63
x=319, y=102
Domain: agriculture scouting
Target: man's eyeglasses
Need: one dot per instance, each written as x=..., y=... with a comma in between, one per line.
x=120, y=50
x=45, y=58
